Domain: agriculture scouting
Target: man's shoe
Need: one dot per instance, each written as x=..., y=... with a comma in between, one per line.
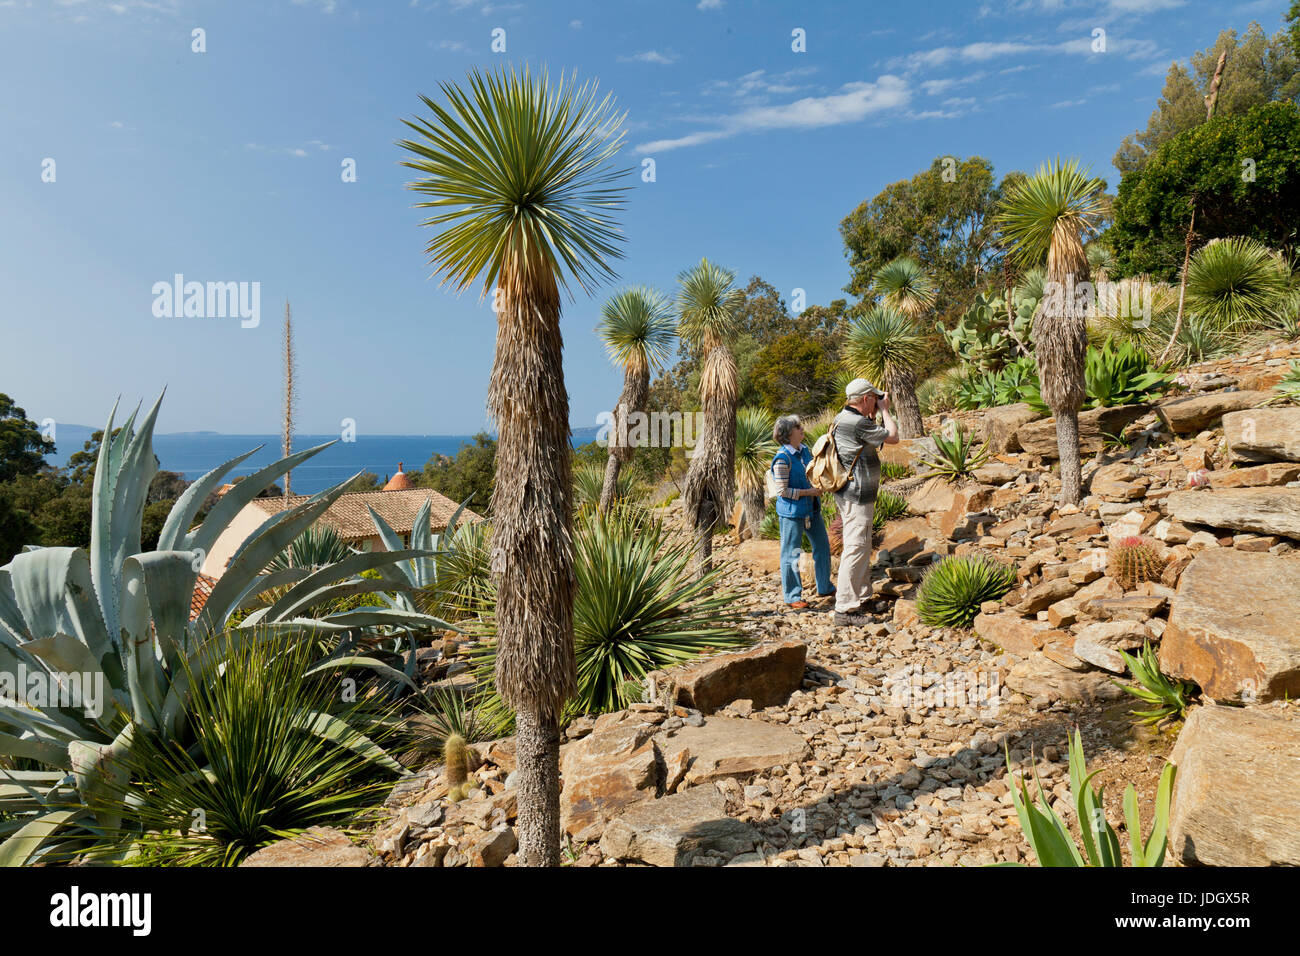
x=852, y=619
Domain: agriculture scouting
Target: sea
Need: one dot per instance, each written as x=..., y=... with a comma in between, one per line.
x=194, y=454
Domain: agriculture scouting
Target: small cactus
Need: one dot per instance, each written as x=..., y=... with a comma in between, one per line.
x=455, y=756
x=1134, y=559
x=450, y=647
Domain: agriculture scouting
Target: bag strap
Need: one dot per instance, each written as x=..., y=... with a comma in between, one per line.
x=854, y=463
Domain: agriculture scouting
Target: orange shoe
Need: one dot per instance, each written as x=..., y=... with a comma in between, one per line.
x=797, y=605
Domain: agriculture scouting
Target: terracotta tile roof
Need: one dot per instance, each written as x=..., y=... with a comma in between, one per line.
x=202, y=591
x=349, y=517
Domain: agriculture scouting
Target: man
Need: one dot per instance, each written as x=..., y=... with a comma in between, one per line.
x=857, y=436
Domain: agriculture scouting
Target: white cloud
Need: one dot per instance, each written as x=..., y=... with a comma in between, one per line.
x=853, y=103
x=709, y=5
x=666, y=58
x=575, y=24
x=454, y=46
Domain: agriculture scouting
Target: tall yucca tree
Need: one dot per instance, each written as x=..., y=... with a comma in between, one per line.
x=755, y=448
x=518, y=169
x=707, y=303
x=884, y=345
x=638, y=328
x=1048, y=216
x=905, y=286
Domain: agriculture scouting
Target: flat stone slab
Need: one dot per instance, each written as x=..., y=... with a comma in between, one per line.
x=732, y=747
x=673, y=830
x=1038, y=676
x=766, y=674
x=1263, y=434
x=1237, y=791
x=760, y=555
x=603, y=773
x=1192, y=413
x=1234, y=625
x=315, y=846
x=1273, y=473
x=1261, y=510
x=1039, y=437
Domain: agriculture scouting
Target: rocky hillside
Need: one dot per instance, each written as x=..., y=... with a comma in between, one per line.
x=887, y=745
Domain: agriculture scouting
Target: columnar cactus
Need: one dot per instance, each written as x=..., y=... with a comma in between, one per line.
x=1134, y=559
x=455, y=755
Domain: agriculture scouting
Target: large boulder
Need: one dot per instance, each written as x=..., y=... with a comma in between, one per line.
x=1015, y=634
x=766, y=674
x=732, y=747
x=967, y=500
x=1001, y=425
x=1273, y=473
x=1193, y=413
x=1237, y=789
x=1039, y=676
x=1269, y=510
x=909, y=451
x=934, y=494
x=1263, y=434
x=1039, y=437
x=1100, y=644
x=315, y=846
x=604, y=773
x=674, y=830
x=1234, y=625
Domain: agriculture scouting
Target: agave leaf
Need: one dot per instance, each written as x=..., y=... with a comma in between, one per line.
x=53, y=593
x=19, y=848
x=256, y=553
x=232, y=502
x=51, y=723
x=371, y=616
x=337, y=731
x=34, y=748
x=293, y=599
x=1157, y=842
x=345, y=661
x=64, y=654
x=101, y=772
x=392, y=540
x=186, y=508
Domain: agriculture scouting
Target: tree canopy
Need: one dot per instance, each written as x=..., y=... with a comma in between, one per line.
x=22, y=446
x=942, y=217
x=1243, y=172
x=1259, y=70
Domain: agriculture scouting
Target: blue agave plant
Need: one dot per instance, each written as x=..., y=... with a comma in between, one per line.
x=119, y=618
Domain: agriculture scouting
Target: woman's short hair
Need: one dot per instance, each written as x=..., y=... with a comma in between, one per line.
x=784, y=426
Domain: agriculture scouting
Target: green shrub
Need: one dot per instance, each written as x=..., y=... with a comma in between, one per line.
x=953, y=589
x=639, y=607
x=1050, y=838
x=275, y=752
x=957, y=456
x=888, y=507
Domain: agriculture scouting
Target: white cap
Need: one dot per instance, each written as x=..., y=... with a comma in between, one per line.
x=859, y=387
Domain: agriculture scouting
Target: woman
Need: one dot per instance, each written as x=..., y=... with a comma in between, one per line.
x=799, y=510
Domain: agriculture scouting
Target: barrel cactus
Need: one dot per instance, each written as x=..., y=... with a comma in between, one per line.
x=1134, y=559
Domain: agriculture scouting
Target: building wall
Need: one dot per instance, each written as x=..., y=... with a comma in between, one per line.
x=248, y=520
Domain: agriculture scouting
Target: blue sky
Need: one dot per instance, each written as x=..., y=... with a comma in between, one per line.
x=226, y=165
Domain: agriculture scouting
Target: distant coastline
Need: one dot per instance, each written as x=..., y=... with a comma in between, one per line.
x=194, y=454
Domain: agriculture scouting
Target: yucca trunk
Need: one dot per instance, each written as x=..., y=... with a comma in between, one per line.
x=755, y=509
x=1060, y=349
x=906, y=408
x=636, y=389
x=710, y=480
x=532, y=546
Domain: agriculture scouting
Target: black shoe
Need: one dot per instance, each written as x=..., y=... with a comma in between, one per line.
x=853, y=619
